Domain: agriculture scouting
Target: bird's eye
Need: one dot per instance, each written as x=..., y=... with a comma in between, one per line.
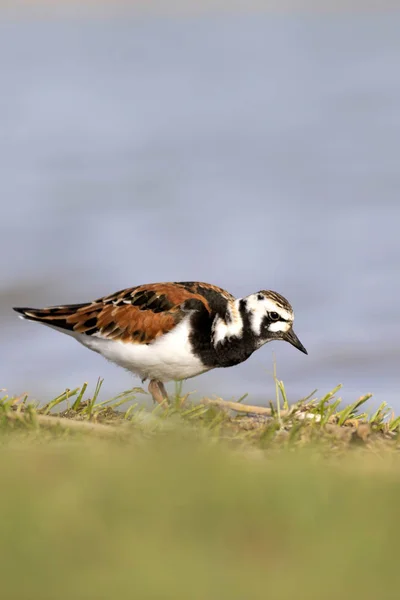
x=274, y=316
x=260, y=296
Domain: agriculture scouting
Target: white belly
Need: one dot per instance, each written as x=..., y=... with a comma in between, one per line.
x=169, y=358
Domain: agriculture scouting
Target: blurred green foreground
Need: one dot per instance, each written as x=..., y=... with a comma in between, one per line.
x=181, y=518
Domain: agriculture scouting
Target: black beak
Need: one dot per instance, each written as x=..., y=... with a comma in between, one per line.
x=292, y=338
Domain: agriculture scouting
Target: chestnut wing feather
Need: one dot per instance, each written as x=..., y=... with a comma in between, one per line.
x=139, y=315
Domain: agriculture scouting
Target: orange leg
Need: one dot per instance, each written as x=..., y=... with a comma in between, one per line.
x=158, y=391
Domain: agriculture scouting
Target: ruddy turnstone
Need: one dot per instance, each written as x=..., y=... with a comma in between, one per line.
x=172, y=331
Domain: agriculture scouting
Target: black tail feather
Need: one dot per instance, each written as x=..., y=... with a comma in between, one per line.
x=25, y=311
x=56, y=316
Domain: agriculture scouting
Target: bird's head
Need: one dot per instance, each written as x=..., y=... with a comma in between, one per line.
x=271, y=318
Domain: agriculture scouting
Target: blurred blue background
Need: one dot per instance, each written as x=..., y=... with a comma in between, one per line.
x=247, y=150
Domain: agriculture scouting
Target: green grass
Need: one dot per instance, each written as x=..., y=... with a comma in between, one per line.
x=195, y=502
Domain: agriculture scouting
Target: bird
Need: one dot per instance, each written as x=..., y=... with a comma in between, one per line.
x=175, y=330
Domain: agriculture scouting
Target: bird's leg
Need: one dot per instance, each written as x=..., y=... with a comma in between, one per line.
x=158, y=391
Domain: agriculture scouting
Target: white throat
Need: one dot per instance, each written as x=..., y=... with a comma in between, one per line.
x=230, y=326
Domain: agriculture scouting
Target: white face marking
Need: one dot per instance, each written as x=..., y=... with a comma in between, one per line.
x=279, y=326
x=259, y=309
x=222, y=330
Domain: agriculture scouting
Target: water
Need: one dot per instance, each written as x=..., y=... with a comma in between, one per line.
x=252, y=152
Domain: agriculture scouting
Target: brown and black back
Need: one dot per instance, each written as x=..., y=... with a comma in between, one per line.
x=139, y=315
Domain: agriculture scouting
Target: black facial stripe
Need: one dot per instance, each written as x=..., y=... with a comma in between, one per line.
x=245, y=315
x=266, y=322
x=276, y=320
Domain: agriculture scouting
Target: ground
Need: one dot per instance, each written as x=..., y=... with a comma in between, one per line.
x=198, y=501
